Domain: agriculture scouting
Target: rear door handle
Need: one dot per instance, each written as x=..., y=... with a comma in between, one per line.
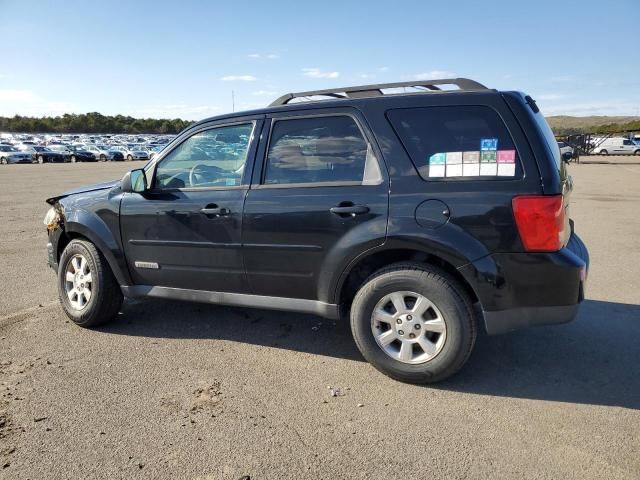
x=214, y=210
x=350, y=210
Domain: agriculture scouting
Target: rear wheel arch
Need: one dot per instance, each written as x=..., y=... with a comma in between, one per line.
x=359, y=272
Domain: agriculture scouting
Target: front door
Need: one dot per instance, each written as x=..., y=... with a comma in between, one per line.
x=321, y=194
x=185, y=232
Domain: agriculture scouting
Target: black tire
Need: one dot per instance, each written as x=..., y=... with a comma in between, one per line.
x=444, y=292
x=3, y=161
x=129, y=158
x=106, y=297
x=603, y=152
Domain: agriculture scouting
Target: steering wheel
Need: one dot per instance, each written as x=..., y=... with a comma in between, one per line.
x=199, y=169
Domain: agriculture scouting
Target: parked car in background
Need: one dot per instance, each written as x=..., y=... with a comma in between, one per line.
x=115, y=155
x=154, y=150
x=101, y=152
x=617, y=146
x=565, y=148
x=10, y=154
x=81, y=154
x=137, y=152
x=45, y=155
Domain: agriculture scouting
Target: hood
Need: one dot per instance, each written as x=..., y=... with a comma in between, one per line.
x=84, y=189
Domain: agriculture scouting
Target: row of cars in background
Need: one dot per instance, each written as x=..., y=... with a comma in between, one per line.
x=24, y=148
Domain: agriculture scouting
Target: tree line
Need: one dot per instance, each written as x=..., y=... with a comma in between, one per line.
x=91, y=123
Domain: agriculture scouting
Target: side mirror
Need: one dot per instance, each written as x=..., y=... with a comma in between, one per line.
x=134, y=181
x=567, y=156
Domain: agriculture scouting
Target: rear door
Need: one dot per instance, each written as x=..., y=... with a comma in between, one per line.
x=185, y=232
x=320, y=194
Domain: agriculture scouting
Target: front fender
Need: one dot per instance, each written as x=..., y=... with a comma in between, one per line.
x=95, y=229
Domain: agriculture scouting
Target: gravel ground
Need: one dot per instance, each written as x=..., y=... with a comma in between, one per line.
x=176, y=390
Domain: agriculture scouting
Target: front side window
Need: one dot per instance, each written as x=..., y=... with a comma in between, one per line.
x=316, y=150
x=457, y=142
x=211, y=158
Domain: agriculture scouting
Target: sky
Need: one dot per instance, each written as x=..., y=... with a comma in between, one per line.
x=183, y=59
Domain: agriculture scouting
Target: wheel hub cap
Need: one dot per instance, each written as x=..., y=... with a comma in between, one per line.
x=408, y=327
x=78, y=282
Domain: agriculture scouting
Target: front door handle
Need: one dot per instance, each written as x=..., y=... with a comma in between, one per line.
x=214, y=210
x=351, y=210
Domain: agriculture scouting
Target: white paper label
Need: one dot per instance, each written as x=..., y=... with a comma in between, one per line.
x=506, y=169
x=454, y=170
x=488, y=169
x=436, y=170
x=471, y=170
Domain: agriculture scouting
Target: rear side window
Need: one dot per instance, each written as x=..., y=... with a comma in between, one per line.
x=314, y=150
x=457, y=142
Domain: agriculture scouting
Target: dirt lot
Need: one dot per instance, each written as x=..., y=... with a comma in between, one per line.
x=172, y=390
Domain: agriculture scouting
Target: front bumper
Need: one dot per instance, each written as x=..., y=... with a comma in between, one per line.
x=519, y=290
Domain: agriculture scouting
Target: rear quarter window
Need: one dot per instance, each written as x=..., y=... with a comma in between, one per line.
x=457, y=143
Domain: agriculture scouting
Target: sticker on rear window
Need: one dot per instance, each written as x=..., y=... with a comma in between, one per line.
x=489, y=144
x=506, y=163
x=470, y=164
x=437, y=165
x=488, y=165
x=454, y=164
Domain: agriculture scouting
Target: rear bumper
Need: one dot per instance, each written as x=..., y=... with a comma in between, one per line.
x=520, y=290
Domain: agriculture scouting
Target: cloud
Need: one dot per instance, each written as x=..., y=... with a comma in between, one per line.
x=268, y=56
x=317, y=73
x=611, y=107
x=432, y=75
x=241, y=78
x=30, y=103
x=178, y=110
x=550, y=97
x=383, y=69
x=264, y=93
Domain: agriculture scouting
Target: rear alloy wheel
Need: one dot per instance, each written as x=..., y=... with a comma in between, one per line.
x=88, y=291
x=603, y=152
x=413, y=322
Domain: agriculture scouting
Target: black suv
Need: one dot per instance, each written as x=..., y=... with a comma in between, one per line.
x=410, y=208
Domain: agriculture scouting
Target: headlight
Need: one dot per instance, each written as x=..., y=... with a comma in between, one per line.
x=52, y=219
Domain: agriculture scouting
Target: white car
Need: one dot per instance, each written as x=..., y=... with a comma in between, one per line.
x=10, y=154
x=565, y=148
x=617, y=146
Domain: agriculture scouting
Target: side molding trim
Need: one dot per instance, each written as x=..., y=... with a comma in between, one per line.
x=313, y=307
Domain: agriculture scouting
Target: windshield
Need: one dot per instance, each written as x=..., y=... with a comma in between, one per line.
x=7, y=148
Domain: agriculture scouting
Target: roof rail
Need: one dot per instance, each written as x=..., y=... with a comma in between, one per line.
x=375, y=90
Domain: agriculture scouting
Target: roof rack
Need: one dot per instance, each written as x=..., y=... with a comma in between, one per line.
x=375, y=90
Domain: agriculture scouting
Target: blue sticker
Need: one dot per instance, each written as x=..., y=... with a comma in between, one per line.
x=437, y=159
x=489, y=144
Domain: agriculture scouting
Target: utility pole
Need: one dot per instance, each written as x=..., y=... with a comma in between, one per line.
x=233, y=101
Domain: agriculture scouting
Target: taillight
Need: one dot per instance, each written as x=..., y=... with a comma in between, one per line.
x=540, y=221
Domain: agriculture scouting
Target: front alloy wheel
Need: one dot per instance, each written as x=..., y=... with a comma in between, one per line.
x=88, y=290
x=78, y=282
